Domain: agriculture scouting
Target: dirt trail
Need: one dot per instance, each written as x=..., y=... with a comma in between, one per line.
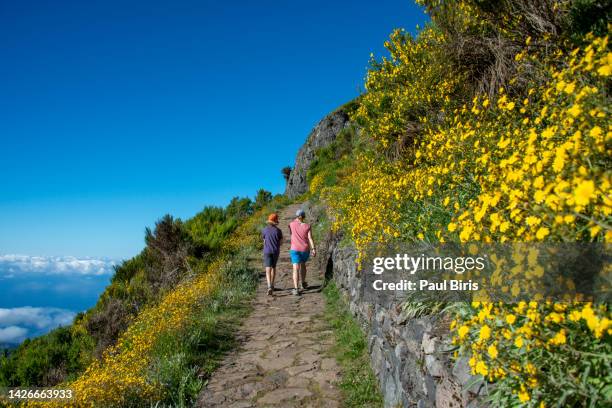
x=283, y=359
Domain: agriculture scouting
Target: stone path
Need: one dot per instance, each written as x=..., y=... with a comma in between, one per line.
x=284, y=356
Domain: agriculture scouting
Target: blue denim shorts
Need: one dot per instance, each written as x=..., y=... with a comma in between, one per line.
x=298, y=257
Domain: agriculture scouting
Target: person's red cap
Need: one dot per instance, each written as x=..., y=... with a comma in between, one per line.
x=273, y=218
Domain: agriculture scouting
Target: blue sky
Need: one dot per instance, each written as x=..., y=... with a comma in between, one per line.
x=115, y=113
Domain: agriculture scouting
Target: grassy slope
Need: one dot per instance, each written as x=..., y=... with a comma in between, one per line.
x=358, y=384
x=182, y=361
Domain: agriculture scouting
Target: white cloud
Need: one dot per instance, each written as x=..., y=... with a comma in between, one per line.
x=12, y=334
x=56, y=265
x=40, y=318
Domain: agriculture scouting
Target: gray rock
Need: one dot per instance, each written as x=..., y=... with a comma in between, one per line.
x=422, y=404
x=429, y=343
x=461, y=371
x=390, y=393
x=322, y=135
x=434, y=366
x=401, y=351
x=430, y=385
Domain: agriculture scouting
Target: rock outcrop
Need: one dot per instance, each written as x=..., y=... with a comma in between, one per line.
x=322, y=135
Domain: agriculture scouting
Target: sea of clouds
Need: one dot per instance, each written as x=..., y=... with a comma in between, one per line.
x=20, y=322
x=40, y=293
x=54, y=265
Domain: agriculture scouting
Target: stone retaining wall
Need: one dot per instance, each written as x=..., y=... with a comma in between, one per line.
x=410, y=356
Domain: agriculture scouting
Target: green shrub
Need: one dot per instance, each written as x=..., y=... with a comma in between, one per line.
x=589, y=16
x=46, y=360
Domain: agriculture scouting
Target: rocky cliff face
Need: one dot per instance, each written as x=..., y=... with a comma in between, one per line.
x=322, y=135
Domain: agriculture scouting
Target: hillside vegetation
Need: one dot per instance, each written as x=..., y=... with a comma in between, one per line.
x=158, y=328
x=491, y=125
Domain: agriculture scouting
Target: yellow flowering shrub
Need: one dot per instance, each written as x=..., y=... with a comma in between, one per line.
x=405, y=86
x=123, y=375
x=508, y=170
x=540, y=165
x=316, y=183
x=530, y=166
x=538, y=352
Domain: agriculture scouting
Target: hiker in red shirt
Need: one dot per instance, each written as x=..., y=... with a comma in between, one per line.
x=301, y=246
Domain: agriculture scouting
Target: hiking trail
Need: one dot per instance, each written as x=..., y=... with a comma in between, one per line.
x=283, y=355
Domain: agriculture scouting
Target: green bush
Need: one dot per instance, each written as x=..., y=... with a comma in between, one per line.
x=589, y=16
x=46, y=360
x=328, y=160
x=210, y=227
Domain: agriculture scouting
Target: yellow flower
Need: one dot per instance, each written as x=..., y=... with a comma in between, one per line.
x=518, y=342
x=559, y=338
x=539, y=196
x=524, y=396
x=463, y=331
x=604, y=70
x=466, y=232
x=542, y=232
x=593, y=231
x=595, y=132
x=485, y=332
x=575, y=110
x=559, y=161
x=574, y=316
x=492, y=350
x=510, y=318
x=481, y=368
x=531, y=221
x=584, y=192
x=548, y=132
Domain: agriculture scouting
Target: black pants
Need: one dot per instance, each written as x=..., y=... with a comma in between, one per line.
x=270, y=260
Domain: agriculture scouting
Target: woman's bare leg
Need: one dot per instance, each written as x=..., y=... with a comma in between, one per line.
x=296, y=272
x=303, y=272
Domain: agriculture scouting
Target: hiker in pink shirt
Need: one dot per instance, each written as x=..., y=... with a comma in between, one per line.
x=301, y=245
